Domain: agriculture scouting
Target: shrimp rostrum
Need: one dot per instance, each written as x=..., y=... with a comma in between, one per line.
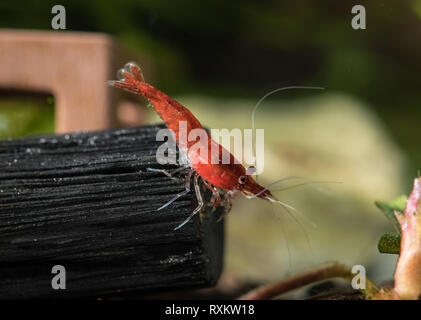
x=225, y=179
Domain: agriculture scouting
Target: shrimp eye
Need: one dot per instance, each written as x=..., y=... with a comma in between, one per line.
x=251, y=170
x=242, y=179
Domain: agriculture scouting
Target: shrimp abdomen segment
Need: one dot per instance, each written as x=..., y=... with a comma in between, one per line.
x=170, y=111
x=222, y=172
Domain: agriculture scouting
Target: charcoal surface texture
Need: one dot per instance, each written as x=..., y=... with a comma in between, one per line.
x=85, y=201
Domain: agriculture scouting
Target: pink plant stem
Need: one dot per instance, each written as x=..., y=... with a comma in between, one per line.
x=324, y=272
x=408, y=268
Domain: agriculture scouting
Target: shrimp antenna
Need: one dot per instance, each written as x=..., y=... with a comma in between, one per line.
x=284, y=235
x=285, y=205
x=307, y=182
x=311, y=183
x=263, y=98
x=301, y=226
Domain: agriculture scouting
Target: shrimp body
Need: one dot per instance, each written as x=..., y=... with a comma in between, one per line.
x=228, y=178
x=170, y=111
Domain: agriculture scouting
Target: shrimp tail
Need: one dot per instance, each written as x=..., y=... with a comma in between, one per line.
x=130, y=76
x=171, y=111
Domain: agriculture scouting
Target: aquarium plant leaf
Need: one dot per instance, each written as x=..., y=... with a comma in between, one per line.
x=392, y=210
x=389, y=243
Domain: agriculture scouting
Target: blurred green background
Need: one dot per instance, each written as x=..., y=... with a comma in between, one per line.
x=219, y=58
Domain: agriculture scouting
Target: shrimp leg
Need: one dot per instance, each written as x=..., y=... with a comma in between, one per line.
x=227, y=206
x=168, y=173
x=179, y=195
x=199, y=201
x=216, y=197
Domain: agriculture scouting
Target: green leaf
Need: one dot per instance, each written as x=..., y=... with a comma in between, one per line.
x=390, y=207
x=389, y=243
